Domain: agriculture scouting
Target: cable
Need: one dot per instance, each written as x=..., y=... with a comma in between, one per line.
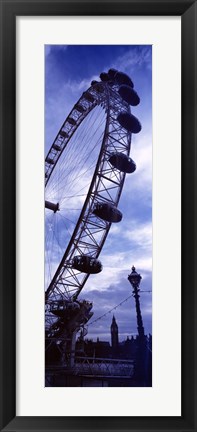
x=115, y=307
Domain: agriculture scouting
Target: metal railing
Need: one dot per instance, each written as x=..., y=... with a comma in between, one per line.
x=103, y=367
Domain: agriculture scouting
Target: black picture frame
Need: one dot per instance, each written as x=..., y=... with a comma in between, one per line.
x=187, y=9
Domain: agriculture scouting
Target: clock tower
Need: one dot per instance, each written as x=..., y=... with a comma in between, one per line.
x=114, y=334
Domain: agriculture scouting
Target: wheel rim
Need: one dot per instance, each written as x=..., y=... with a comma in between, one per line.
x=90, y=231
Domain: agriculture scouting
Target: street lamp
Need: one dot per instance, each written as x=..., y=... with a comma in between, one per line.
x=140, y=366
x=135, y=279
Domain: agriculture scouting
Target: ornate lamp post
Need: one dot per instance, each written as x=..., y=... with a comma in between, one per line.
x=135, y=279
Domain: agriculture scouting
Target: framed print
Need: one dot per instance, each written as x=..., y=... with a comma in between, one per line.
x=98, y=292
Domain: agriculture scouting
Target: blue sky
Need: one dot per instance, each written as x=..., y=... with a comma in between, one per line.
x=69, y=71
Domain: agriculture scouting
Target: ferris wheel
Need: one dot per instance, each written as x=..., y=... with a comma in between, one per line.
x=85, y=170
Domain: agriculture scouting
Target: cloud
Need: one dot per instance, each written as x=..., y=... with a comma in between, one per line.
x=139, y=234
x=133, y=58
x=125, y=312
x=49, y=49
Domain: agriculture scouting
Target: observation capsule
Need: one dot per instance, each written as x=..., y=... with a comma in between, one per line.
x=72, y=121
x=86, y=264
x=50, y=161
x=129, y=95
x=107, y=212
x=80, y=108
x=56, y=147
x=104, y=76
x=64, y=134
x=112, y=73
x=122, y=162
x=129, y=122
x=122, y=78
x=62, y=308
x=97, y=86
x=88, y=96
x=94, y=82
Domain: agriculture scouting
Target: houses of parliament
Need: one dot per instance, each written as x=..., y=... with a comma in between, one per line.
x=122, y=350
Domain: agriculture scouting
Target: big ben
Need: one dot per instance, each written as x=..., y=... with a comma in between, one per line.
x=114, y=334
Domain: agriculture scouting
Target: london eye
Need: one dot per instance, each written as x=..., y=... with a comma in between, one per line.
x=85, y=169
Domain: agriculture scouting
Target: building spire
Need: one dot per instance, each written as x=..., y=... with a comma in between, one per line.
x=114, y=334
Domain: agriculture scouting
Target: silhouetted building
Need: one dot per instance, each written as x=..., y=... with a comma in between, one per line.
x=96, y=349
x=114, y=334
